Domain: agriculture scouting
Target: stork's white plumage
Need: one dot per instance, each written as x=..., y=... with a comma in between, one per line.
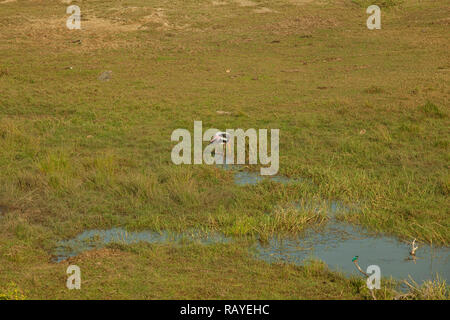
x=220, y=137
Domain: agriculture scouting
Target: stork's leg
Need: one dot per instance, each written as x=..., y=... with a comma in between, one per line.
x=226, y=152
x=219, y=155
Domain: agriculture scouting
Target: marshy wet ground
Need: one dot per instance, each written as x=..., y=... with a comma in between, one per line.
x=338, y=242
x=97, y=239
x=243, y=178
x=335, y=243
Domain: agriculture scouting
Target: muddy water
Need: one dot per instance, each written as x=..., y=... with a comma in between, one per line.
x=336, y=243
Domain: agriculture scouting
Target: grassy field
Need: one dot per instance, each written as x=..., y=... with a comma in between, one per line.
x=363, y=115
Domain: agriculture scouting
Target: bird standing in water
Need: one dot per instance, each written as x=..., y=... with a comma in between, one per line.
x=413, y=248
x=222, y=138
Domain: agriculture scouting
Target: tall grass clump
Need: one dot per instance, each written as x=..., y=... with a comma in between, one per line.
x=289, y=221
x=432, y=110
x=436, y=289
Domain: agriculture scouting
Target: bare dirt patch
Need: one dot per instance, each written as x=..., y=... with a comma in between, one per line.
x=300, y=24
x=246, y=3
x=300, y=2
x=96, y=32
x=263, y=10
x=157, y=17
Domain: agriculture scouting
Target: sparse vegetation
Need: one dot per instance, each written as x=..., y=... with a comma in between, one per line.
x=432, y=110
x=362, y=116
x=288, y=221
x=380, y=3
x=374, y=89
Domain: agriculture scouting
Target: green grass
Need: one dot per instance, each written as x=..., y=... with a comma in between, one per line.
x=11, y=292
x=187, y=272
x=432, y=110
x=362, y=116
x=380, y=3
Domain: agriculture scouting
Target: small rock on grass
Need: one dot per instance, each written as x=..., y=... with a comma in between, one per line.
x=105, y=76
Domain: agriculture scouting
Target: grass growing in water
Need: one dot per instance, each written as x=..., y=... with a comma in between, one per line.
x=288, y=221
x=436, y=289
